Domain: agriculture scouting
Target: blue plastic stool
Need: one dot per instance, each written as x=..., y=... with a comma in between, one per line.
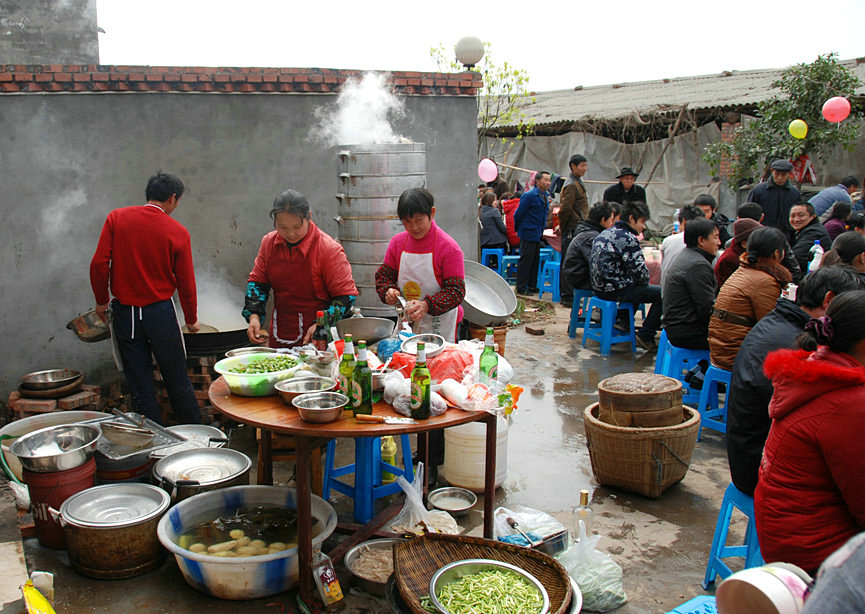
x=581, y=303
x=367, y=469
x=675, y=362
x=549, y=281
x=603, y=332
x=507, y=263
x=704, y=604
x=750, y=550
x=498, y=253
x=712, y=415
x=545, y=255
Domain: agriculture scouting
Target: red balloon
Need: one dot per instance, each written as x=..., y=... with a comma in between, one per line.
x=836, y=109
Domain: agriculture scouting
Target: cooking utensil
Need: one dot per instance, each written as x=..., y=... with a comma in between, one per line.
x=251, y=384
x=111, y=529
x=290, y=389
x=456, y=570
x=162, y=438
x=370, y=330
x=50, y=379
x=191, y=472
x=516, y=525
x=90, y=327
x=369, y=585
x=378, y=378
x=384, y=419
x=202, y=328
x=124, y=435
x=454, y=500
x=53, y=393
x=252, y=349
x=489, y=299
x=56, y=448
x=433, y=344
x=320, y=407
x=553, y=544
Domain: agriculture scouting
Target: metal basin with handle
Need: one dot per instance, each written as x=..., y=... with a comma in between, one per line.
x=489, y=299
x=190, y=472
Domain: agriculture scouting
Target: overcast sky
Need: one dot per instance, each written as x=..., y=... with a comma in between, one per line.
x=560, y=44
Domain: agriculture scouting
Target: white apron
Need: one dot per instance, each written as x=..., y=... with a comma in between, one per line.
x=416, y=279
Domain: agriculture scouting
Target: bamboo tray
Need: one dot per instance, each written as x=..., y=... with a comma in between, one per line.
x=415, y=561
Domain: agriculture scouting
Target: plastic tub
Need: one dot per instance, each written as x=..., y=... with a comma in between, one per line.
x=252, y=384
x=465, y=454
x=247, y=577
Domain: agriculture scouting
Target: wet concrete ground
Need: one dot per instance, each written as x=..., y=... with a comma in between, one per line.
x=661, y=544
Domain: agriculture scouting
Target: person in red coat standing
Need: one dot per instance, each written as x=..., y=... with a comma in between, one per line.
x=810, y=497
x=144, y=256
x=509, y=207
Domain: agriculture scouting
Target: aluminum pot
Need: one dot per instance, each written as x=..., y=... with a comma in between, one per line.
x=111, y=529
x=489, y=299
x=56, y=448
x=190, y=472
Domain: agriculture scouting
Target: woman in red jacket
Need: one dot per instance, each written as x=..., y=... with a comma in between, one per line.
x=810, y=497
x=307, y=271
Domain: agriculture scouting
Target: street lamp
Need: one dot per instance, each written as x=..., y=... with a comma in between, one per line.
x=469, y=51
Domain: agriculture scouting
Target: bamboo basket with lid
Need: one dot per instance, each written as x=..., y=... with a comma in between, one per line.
x=640, y=400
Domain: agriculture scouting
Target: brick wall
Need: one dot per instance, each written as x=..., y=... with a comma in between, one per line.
x=40, y=78
x=727, y=130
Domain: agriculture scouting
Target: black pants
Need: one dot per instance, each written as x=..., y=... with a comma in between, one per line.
x=695, y=339
x=641, y=294
x=527, y=266
x=564, y=286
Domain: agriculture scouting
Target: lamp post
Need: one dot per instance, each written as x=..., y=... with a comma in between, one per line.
x=469, y=51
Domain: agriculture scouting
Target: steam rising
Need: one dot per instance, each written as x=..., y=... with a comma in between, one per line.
x=219, y=301
x=362, y=114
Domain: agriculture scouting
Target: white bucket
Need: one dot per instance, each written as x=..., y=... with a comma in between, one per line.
x=465, y=454
x=771, y=589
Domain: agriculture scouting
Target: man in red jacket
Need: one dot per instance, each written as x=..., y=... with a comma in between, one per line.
x=145, y=255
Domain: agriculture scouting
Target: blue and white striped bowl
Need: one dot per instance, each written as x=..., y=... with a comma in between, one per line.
x=239, y=577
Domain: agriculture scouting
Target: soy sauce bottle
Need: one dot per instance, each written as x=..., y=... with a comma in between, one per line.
x=319, y=336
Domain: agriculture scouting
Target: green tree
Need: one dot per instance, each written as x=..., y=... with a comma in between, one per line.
x=502, y=96
x=803, y=88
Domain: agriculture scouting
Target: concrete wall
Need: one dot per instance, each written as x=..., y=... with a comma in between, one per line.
x=69, y=159
x=48, y=32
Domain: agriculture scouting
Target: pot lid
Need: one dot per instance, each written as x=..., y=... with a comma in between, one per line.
x=206, y=466
x=114, y=505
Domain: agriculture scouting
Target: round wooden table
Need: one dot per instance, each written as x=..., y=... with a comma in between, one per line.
x=272, y=415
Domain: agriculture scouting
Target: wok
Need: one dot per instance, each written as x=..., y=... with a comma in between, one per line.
x=206, y=344
x=489, y=299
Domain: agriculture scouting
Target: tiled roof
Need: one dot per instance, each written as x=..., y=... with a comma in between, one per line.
x=41, y=78
x=728, y=90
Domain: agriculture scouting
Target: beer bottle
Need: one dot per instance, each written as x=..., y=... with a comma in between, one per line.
x=489, y=361
x=346, y=366
x=420, y=386
x=361, y=383
x=319, y=336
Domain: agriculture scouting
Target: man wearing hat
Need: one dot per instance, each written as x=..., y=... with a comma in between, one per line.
x=574, y=209
x=728, y=262
x=776, y=196
x=625, y=192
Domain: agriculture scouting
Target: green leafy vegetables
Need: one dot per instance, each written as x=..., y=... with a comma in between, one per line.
x=492, y=591
x=266, y=365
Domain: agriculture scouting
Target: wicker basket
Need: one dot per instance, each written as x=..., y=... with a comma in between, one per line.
x=415, y=561
x=643, y=460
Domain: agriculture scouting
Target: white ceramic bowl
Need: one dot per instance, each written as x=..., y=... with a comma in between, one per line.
x=248, y=577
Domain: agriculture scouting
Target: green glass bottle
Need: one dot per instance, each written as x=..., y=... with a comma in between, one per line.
x=361, y=383
x=489, y=361
x=346, y=366
x=420, y=386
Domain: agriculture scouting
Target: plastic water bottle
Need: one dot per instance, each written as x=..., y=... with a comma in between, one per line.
x=816, y=256
x=676, y=221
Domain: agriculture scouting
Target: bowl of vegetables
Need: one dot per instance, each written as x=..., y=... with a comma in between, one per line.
x=486, y=586
x=254, y=375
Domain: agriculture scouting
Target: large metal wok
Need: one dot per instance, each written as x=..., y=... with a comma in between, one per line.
x=489, y=299
x=206, y=344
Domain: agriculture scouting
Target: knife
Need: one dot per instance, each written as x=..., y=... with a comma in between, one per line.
x=385, y=419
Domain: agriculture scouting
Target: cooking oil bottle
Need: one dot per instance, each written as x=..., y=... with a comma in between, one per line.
x=388, y=455
x=583, y=514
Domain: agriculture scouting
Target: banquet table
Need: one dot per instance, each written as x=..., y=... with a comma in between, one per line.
x=272, y=415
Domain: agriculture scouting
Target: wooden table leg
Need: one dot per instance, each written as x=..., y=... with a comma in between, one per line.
x=265, y=477
x=490, y=475
x=304, y=518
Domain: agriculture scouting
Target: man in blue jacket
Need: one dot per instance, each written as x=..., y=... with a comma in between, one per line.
x=530, y=219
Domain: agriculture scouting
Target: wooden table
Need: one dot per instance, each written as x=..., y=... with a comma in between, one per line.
x=272, y=415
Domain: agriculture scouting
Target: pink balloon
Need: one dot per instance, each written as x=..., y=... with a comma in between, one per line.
x=487, y=170
x=836, y=109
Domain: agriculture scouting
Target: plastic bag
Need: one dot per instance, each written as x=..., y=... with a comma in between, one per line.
x=597, y=575
x=537, y=524
x=395, y=385
x=402, y=404
x=449, y=364
x=414, y=517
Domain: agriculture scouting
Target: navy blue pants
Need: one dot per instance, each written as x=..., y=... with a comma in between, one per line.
x=527, y=267
x=145, y=333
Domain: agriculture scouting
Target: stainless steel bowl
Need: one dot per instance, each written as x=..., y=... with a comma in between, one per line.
x=378, y=378
x=489, y=299
x=253, y=349
x=370, y=330
x=50, y=379
x=433, y=344
x=290, y=389
x=320, y=407
x=56, y=448
x=458, y=569
x=453, y=500
x=369, y=585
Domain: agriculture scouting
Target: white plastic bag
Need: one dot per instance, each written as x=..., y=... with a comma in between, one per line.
x=395, y=385
x=537, y=524
x=414, y=517
x=597, y=575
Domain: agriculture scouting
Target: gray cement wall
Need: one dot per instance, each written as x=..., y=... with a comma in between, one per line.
x=48, y=32
x=69, y=159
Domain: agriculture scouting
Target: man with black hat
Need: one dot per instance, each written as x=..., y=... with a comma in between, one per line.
x=776, y=196
x=626, y=191
x=574, y=209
